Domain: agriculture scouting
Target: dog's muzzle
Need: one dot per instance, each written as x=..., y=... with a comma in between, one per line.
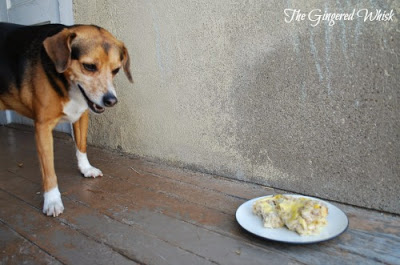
x=93, y=106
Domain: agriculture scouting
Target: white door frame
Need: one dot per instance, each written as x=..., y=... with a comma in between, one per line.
x=66, y=12
x=65, y=16
x=3, y=11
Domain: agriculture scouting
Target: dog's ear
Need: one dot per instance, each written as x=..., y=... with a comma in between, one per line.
x=126, y=63
x=58, y=48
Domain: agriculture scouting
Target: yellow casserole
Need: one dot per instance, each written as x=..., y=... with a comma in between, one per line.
x=302, y=215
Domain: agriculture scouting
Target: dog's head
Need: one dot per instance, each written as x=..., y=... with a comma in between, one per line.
x=90, y=57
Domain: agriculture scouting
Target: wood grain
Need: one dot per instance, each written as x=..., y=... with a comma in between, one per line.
x=145, y=213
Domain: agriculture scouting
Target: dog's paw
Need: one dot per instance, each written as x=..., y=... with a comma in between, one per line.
x=85, y=167
x=53, y=205
x=91, y=172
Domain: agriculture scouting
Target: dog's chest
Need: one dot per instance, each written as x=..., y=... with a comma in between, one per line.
x=74, y=108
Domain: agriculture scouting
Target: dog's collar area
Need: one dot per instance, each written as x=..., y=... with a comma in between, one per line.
x=93, y=106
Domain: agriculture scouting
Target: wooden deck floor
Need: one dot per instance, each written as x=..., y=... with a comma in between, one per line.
x=144, y=213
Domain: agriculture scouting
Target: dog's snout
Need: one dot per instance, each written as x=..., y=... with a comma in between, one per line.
x=109, y=100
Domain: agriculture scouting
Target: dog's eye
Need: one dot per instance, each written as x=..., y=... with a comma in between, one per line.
x=90, y=67
x=115, y=71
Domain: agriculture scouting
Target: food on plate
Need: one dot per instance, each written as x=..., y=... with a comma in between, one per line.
x=302, y=215
x=266, y=208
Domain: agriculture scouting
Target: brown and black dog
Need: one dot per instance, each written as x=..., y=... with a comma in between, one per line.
x=53, y=73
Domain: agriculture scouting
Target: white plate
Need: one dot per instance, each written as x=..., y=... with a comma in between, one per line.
x=337, y=224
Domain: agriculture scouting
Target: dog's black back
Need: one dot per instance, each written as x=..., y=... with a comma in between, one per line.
x=21, y=46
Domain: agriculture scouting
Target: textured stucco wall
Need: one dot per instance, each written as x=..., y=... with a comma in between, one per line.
x=228, y=87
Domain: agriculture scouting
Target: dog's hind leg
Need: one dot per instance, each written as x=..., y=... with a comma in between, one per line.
x=53, y=205
x=80, y=134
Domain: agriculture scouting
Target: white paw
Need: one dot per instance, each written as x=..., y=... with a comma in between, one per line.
x=91, y=172
x=53, y=205
x=86, y=169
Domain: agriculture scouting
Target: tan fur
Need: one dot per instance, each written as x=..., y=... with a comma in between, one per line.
x=80, y=131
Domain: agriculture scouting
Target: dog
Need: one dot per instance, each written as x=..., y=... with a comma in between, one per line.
x=54, y=73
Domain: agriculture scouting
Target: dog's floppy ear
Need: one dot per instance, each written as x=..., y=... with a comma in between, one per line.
x=58, y=48
x=126, y=63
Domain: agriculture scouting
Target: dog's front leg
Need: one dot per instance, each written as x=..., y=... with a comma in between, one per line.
x=80, y=134
x=53, y=205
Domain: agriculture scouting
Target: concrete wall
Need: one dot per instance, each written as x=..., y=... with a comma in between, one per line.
x=228, y=87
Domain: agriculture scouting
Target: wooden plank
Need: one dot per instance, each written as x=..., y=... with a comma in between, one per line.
x=365, y=219
x=372, y=221
x=168, y=228
x=359, y=218
x=232, y=187
x=309, y=255
x=384, y=252
x=14, y=249
x=131, y=242
x=120, y=208
x=129, y=196
x=176, y=189
x=129, y=236
x=239, y=189
x=65, y=244
x=380, y=247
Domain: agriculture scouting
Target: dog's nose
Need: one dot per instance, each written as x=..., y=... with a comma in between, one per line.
x=109, y=100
